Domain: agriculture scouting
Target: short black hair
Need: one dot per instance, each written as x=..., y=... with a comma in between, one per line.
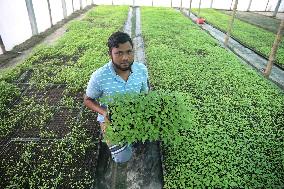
x=118, y=38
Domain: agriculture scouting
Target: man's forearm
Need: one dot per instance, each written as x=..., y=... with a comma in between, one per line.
x=94, y=106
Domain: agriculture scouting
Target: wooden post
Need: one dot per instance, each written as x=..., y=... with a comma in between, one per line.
x=274, y=49
x=211, y=5
x=199, y=9
x=266, y=5
x=64, y=8
x=231, y=23
x=189, y=7
x=2, y=45
x=49, y=10
x=276, y=8
x=249, y=5
x=32, y=18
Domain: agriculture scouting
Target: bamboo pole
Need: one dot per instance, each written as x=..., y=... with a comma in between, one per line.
x=231, y=22
x=274, y=49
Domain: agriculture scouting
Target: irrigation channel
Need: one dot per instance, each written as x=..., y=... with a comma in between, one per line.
x=246, y=55
x=144, y=170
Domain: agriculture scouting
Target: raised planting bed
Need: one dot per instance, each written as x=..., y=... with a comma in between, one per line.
x=236, y=141
x=255, y=38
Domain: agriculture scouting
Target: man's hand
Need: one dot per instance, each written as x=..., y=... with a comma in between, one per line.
x=105, y=124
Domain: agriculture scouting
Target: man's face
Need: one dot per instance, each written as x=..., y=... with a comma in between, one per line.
x=123, y=56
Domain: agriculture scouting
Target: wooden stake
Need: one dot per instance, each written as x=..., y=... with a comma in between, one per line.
x=274, y=49
x=231, y=23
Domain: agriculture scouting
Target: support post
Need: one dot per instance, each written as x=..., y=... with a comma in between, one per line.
x=189, y=7
x=249, y=5
x=198, y=15
x=231, y=4
x=73, y=6
x=274, y=49
x=2, y=45
x=31, y=13
x=276, y=8
x=211, y=5
x=64, y=8
x=266, y=5
x=231, y=23
x=81, y=5
x=49, y=11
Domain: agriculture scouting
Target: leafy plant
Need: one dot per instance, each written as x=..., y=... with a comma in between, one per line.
x=153, y=116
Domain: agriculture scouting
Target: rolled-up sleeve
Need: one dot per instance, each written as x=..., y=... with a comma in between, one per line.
x=94, y=90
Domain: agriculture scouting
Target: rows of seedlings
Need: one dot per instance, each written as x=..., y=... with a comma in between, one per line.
x=236, y=137
x=48, y=139
x=254, y=37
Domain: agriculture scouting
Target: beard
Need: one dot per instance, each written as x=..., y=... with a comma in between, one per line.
x=123, y=66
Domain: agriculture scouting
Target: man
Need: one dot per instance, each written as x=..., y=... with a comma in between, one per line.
x=120, y=75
